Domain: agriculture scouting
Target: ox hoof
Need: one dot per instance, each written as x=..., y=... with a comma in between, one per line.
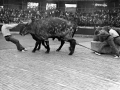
x=47, y=52
x=33, y=51
x=70, y=48
x=58, y=50
x=71, y=53
x=38, y=49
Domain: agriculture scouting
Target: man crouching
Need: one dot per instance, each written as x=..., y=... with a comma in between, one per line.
x=111, y=37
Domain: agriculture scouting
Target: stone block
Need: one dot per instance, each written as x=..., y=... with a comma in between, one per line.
x=102, y=47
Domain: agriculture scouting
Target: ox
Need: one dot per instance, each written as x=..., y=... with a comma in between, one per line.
x=38, y=43
x=52, y=27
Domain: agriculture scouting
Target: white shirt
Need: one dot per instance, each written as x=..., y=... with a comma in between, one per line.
x=5, y=29
x=113, y=33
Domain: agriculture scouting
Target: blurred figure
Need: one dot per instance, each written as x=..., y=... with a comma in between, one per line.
x=5, y=29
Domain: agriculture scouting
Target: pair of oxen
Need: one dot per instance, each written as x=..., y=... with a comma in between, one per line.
x=54, y=27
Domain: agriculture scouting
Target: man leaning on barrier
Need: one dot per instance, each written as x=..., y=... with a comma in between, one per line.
x=110, y=36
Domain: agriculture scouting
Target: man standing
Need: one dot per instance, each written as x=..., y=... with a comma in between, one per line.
x=5, y=29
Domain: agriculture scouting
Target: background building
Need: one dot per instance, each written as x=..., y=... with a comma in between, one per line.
x=85, y=5
x=84, y=12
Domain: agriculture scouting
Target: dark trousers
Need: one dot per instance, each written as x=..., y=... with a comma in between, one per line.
x=15, y=41
x=117, y=40
x=112, y=42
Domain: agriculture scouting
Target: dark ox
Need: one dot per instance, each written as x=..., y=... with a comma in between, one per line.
x=38, y=43
x=52, y=28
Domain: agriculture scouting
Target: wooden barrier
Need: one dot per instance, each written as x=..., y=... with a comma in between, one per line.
x=102, y=47
x=85, y=30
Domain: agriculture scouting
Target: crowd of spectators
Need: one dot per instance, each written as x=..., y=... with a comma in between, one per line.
x=16, y=15
x=98, y=18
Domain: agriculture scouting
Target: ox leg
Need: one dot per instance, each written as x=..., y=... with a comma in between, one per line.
x=36, y=45
x=43, y=43
x=72, y=46
x=39, y=46
x=47, y=46
x=62, y=43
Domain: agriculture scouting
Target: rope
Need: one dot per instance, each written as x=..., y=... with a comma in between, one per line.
x=86, y=47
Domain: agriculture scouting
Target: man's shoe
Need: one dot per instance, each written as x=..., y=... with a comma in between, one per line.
x=25, y=49
x=97, y=53
x=116, y=56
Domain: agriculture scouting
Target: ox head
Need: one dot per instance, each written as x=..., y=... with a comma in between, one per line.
x=26, y=29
